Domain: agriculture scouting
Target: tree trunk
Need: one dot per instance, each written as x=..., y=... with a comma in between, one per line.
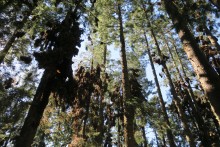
x=207, y=76
x=162, y=104
x=35, y=112
x=189, y=136
x=101, y=104
x=87, y=105
x=129, y=109
x=187, y=131
x=203, y=130
x=144, y=136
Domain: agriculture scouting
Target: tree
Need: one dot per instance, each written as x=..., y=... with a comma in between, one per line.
x=55, y=72
x=102, y=99
x=162, y=104
x=205, y=73
x=128, y=108
x=19, y=25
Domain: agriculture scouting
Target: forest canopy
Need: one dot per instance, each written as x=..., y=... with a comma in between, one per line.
x=106, y=73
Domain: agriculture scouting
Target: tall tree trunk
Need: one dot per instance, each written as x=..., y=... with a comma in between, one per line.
x=189, y=136
x=207, y=76
x=182, y=115
x=129, y=109
x=108, y=140
x=87, y=105
x=119, y=133
x=162, y=104
x=35, y=112
x=102, y=97
x=144, y=136
x=203, y=130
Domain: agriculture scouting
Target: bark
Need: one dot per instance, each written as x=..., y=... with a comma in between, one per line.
x=189, y=136
x=129, y=109
x=206, y=75
x=162, y=104
x=144, y=136
x=35, y=112
x=119, y=133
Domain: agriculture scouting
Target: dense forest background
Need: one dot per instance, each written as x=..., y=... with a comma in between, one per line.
x=164, y=90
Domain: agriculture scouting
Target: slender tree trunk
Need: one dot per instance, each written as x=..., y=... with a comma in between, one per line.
x=101, y=104
x=162, y=104
x=129, y=109
x=189, y=136
x=144, y=136
x=87, y=105
x=187, y=131
x=108, y=140
x=164, y=141
x=184, y=75
x=119, y=134
x=207, y=76
x=36, y=110
x=203, y=130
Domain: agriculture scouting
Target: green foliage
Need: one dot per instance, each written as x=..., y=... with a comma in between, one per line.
x=89, y=110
